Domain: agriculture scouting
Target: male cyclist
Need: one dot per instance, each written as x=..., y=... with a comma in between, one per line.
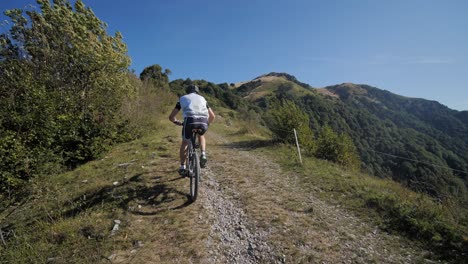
x=197, y=114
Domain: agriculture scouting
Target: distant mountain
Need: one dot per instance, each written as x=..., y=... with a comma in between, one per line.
x=271, y=83
x=412, y=140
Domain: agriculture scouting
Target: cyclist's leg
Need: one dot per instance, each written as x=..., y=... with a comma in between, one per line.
x=203, y=125
x=202, y=142
x=203, y=158
x=186, y=134
x=183, y=152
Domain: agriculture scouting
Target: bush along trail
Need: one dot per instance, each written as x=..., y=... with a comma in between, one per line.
x=132, y=207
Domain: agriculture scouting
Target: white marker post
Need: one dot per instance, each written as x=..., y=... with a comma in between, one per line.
x=297, y=144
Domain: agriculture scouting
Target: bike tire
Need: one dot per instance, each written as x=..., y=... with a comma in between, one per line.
x=195, y=177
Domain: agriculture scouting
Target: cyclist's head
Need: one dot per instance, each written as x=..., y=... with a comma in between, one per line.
x=193, y=89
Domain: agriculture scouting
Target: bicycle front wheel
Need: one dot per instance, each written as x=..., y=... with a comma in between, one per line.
x=195, y=178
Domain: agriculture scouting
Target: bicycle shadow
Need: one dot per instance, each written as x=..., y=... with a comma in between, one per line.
x=135, y=195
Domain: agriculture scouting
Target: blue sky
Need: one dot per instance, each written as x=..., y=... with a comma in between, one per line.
x=416, y=48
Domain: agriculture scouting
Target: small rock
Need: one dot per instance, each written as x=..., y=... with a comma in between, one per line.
x=50, y=260
x=84, y=181
x=139, y=206
x=111, y=257
x=137, y=243
x=142, y=167
x=133, y=251
x=250, y=250
x=115, y=183
x=116, y=227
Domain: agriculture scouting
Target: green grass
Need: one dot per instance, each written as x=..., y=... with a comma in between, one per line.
x=442, y=227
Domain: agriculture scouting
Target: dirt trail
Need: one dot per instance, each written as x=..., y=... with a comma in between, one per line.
x=231, y=238
x=251, y=225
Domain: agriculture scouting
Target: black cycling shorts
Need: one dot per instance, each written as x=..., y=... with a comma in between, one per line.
x=194, y=123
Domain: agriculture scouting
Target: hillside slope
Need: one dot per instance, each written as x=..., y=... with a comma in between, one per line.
x=269, y=84
x=417, y=142
x=250, y=210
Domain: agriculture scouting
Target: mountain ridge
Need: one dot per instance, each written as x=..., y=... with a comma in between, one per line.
x=380, y=121
x=348, y=87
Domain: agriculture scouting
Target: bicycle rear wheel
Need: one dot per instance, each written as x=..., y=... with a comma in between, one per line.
x=195, y=177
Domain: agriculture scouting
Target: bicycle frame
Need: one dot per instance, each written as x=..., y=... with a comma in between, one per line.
x=193, y=165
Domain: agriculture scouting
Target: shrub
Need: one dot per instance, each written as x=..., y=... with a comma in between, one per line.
x=422, y=220
x=285, y=116
x=337, y=148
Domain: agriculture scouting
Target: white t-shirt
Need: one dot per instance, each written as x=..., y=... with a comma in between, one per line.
x=193, y=105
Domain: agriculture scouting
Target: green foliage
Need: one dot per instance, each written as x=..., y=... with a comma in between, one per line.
x=415, y=129
x=246, y=88
x=156, y=76
x=62, y=82
x=338, y=148
x=216, y=94
x=284, y=116
x=387, y=130
x=420, y=219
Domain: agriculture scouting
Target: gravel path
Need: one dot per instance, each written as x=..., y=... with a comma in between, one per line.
x=232, y=238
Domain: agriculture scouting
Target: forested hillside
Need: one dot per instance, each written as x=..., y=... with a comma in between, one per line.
x=420, y=143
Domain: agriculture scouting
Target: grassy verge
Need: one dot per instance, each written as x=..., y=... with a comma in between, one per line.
x=70, y=217
x=396, y=209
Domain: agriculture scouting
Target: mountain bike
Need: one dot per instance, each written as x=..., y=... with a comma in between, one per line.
x=193, y=164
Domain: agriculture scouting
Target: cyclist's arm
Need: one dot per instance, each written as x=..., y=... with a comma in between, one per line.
x=174, y=112
x=211, y=115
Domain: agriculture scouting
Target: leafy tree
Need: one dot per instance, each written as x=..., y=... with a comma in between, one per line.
x=338, y=148
x=62, y=82
x=156, y=76
x=284, y=116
